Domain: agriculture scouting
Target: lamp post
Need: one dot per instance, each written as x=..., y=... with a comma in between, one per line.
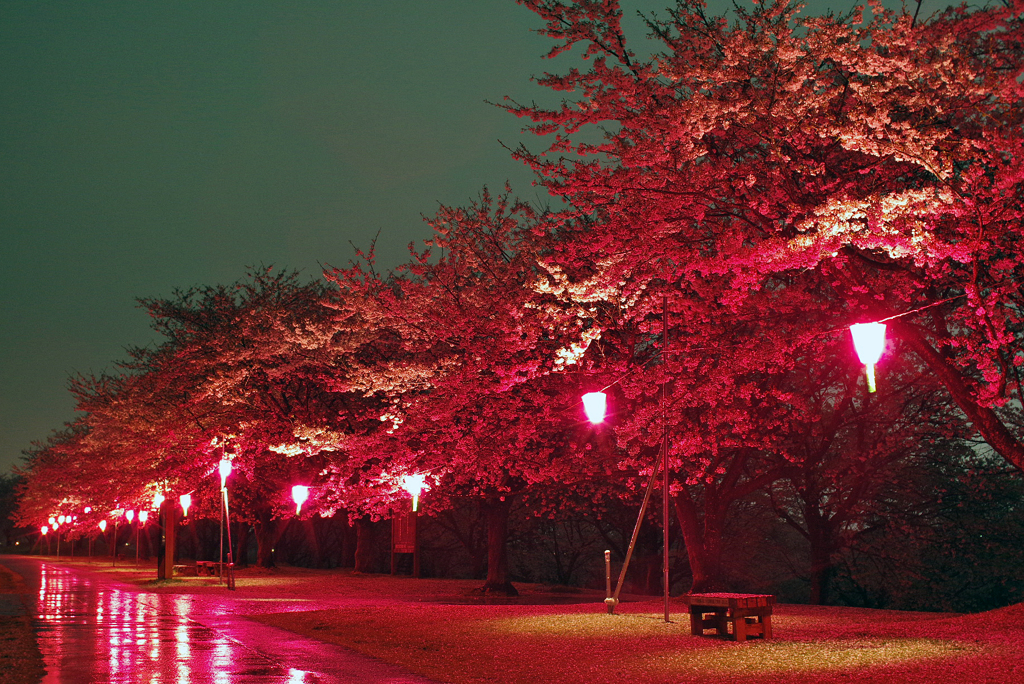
x=116, y=513
x=103, y=528
x=130, y=516
x=87, y=510
x=869, y=341
x=595, y=410
x=43, y=530
x=143, y=517
x=594, y=405
x=224, y=467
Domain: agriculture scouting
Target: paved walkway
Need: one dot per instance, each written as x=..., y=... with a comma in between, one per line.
x=92, y=629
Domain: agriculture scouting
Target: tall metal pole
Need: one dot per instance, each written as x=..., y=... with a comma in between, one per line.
x=231, y=561
x=664, y=450
x=220, y=560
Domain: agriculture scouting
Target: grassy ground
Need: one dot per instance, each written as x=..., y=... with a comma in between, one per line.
x=439, y=629
x=20, y=660
x=583, y=644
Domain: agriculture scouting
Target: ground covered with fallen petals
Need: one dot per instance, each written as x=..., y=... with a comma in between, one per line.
x=578, y=644
x=443, y=630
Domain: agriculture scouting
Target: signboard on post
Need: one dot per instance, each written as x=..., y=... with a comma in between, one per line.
x=403, y=533
x=403, y=540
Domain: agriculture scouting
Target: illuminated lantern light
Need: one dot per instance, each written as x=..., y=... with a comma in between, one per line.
x=415, y=484
x=130, y=515
x=299, y=495
x=869, y=341
x=158, y=499
x=225, y=469
x=52, y=521
x=143, y=516
x=88, y=509
x=44, y=529
x=185, y=500
x=595, y=405
x=61, y=519
x=103, y=525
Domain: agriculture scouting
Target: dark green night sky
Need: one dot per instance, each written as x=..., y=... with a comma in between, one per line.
x=146, y=146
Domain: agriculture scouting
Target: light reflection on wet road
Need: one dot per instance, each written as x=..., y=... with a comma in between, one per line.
x=91, y=630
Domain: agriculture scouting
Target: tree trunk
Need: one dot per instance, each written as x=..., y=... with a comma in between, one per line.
x=703, y=543
x=496, y=511
x=823, y=544
x=348, y=543
x=265, y=529
x=365, y=538
x=242, y=546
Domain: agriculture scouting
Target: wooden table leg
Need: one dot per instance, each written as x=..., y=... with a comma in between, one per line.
x=739, y=628
x=696, y=622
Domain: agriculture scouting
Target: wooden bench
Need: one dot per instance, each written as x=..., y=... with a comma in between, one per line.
x=747, y=614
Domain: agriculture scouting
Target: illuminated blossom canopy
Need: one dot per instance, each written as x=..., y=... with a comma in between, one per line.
x=834, y=168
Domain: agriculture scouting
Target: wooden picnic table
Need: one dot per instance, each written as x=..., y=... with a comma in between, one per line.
x=210, y=568
x=747, y=614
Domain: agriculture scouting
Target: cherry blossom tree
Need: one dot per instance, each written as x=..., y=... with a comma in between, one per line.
x=266, y=364
x=876, y=153
x=475, y=337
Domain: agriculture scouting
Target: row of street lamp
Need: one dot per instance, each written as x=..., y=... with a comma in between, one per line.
x=413, y=484
x=868, y=339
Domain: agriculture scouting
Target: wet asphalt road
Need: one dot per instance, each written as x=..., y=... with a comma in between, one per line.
x=94, y=630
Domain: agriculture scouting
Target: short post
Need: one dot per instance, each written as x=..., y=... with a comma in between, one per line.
x=610, y=601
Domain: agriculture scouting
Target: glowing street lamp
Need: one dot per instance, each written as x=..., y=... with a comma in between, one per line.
x=299, y=495
x=129, y=515
x=594, y=405
x=62, y=519
x=103, y=525
x=224, y=467
x=185, y=500
x=869, y=341
x=158, y=499
x=415, y=484
x=143, y=516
